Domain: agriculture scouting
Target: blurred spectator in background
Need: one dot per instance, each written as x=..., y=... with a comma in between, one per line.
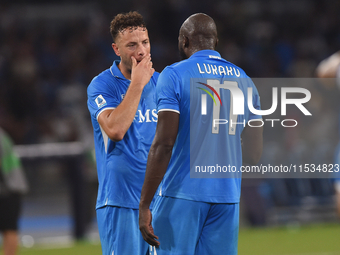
x=330, y=68
x=12, y=186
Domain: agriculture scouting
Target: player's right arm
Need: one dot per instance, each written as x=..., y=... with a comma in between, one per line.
x=158, y=160
x=116, y=122
x=167, y=97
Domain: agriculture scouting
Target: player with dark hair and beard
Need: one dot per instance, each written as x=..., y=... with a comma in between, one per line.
x=123, y=113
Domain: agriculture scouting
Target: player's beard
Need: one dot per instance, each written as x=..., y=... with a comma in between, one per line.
x=127, y=64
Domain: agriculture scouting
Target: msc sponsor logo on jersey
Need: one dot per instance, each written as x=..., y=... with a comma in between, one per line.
x=100, y=101
x=146, y=117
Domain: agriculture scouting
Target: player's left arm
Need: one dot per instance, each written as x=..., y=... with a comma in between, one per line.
x=158, y=160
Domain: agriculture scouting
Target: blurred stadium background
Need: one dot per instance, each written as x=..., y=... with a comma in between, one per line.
x=50, y=51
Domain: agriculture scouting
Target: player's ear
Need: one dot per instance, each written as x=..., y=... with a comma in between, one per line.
x=216, y=42
x=186, y=42
x=116, y=50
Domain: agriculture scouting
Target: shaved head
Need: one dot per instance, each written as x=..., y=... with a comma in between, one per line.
x=198, y=32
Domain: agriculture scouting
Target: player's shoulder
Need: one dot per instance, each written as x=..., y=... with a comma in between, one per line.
x=103, y=77
x=101, y=81
x=237, y=70
x=181, y=64
x=176, y=68
x=243, y=79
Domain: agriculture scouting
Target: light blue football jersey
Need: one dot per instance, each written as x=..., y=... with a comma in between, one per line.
x=121, y=165
x=211, y=96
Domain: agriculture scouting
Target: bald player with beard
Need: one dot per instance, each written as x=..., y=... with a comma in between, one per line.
x=196, y=213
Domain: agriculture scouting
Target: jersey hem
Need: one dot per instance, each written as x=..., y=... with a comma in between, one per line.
x=215, y=200
x=129, y=206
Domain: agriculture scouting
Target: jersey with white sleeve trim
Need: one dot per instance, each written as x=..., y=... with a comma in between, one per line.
x=121, y=165
x=202, y=89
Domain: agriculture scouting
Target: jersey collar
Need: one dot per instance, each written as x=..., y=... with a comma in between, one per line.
x=115, y=70
x=206, y=53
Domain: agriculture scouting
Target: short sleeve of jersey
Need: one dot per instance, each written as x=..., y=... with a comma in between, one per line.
x=167, y=91
x=256, y=103
x=101, y=96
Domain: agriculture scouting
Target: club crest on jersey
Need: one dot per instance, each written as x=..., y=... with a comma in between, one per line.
x=100, y=101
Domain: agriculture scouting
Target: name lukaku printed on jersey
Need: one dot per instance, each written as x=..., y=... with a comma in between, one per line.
x=218, y=70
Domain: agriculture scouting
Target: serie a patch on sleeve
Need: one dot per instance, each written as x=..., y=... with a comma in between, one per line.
x=100, y=101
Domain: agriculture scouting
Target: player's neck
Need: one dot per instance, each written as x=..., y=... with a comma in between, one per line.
x=125, y=71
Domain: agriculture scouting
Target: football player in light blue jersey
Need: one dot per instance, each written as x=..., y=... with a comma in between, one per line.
x=330, y=68
x=121, y=101
x=198, y=149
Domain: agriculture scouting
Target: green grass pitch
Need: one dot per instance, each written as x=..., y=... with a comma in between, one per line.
x=294, y=240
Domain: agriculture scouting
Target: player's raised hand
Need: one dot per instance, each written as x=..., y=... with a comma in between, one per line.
x=142, y=72
x=145, y=227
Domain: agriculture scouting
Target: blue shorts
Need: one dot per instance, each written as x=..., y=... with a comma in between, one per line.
x=119, y=231
x=187, y=227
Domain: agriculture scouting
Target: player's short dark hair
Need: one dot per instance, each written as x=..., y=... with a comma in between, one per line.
x=122, y=21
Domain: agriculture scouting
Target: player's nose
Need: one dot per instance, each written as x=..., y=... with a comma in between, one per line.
x=141, y=51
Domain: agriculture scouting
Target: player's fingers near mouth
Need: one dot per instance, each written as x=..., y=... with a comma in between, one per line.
x=134, y=61
x=146, y=59
x=150, y=64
